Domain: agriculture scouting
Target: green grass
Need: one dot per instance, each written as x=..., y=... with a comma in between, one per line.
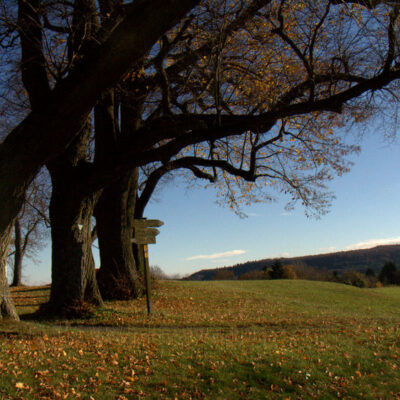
x=213, y=340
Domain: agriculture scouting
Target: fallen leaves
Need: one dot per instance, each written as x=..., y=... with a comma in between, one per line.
x=251, y=334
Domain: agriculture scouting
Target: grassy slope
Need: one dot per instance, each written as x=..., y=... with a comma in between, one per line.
x=214, y=340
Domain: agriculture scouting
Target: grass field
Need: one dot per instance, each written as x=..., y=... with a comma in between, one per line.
x=213, y=340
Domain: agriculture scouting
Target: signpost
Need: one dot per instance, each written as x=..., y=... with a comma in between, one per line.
x=145, y=233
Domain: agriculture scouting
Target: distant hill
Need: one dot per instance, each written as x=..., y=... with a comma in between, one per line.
x=358, y=260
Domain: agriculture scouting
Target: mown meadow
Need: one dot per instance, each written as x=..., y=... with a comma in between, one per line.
x=276, y=339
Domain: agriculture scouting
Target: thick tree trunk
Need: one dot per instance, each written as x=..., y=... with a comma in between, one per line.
x=73, y=271
x=117, y=277
x=18, y=255
x=7, y=308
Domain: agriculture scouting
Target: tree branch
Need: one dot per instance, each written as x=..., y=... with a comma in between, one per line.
x=34, y=76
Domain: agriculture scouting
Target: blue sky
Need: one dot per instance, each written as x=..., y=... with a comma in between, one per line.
x=365, y=212
x=199, y=234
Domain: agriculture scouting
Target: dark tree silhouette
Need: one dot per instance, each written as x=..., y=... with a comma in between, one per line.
x=387, y=275
x=277, y=271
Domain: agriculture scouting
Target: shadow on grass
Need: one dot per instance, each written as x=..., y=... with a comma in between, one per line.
x=39, y=296
x=37, y=315
x=10, y=329
x=24, y=289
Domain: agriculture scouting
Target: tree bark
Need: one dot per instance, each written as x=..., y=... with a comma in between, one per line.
x=71, y=209
x=73, y=271
x=7, y=308
x=117, y=276
x=18, y=255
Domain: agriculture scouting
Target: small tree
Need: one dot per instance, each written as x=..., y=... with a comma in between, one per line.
x=354, y=278
x=289, y=272
x=388, y=273
x=157, y=273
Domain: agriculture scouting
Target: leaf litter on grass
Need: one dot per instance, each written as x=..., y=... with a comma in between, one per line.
x=254, y=340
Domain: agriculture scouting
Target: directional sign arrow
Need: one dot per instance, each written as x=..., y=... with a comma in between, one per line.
x=147, y=222
x=142, y=235
x=151, y=231
x=139, y=231
x=146, y=231
x=144, y=240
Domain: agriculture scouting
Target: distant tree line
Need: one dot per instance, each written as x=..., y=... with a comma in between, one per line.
x=317, y=265
x=388, y=275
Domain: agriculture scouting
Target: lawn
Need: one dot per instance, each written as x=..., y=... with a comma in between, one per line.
x=213, y=340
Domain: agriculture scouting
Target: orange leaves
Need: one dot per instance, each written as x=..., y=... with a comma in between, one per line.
x=131, y=377
x=41, y=373
x=254, y=340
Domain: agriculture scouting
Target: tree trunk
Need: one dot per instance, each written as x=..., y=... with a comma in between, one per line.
x=18, y=255
x=117, y=277
x=73, y=271
x=7, y=308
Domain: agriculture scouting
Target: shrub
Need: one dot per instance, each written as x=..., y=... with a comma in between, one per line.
x=306, y=272
x=373, y=282
x=354, y=278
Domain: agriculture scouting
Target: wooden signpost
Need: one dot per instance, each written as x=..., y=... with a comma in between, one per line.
x=145, y=233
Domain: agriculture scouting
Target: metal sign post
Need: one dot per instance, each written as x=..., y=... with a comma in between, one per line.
x=144, y=235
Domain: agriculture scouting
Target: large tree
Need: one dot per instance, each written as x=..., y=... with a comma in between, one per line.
x=230, y=69
x=58, y=117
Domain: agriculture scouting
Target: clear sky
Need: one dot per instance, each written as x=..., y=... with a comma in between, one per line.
x=199, y=234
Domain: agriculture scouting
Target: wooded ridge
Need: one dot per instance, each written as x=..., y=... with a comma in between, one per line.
x=358, y=260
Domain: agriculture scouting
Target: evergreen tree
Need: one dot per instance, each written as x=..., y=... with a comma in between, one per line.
x=277, y=270
x=388, y=273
